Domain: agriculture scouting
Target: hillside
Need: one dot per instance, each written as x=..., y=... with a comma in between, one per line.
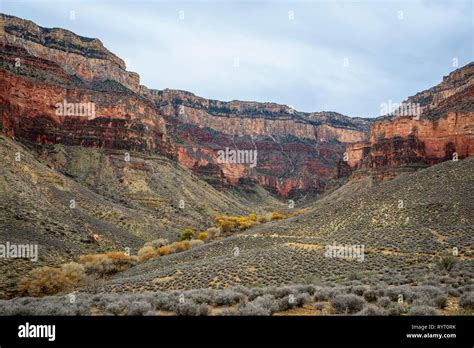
x=118, y=204
x=401, y=244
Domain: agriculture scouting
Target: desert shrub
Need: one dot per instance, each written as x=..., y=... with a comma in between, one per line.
x=428, y=291
x=295, y=300
x=370, y=295
x=278, y=216
x=213, y=232
x=164, y=302
x=81, y=307
x=384, y=302
x=187, y=234
x=74, y=272
x=139, y=308
x=394, y=293
x=7, y=307
x=252, y=309
x=353, y=275
x=453, y=292
x=49, y=280
x=178, y=247
x=173, y=247
x=466, y=301
x=319, y=306
x=218, y=219
x=245, y=225
x=146, y=253
x=358, y=290
x=321, y=294
x=226, y=223
x=267, y=302
x=115, y=308
x=397, y=309
x=380, y=290
x=441, y=301
x=422, y=310
x=121, y=261
x=371, y=310
x=333, y=292
x=102, y=264
x=298, y=212
x=195, y=243
x=228, y=226
x=157, y=243
x=446, y=263
x=200, y=295
x=466, y=288
x=228, y=312
x=48, y=307
x=282, y=291
x=227, y=297
x=233, y=223
x=242, y=290
x=447, y=280
x=423, y=300
x=301, y=299
x=192, y=309
x=164, y=250
x=308, y=288
x=202, y=236
x=345, y=304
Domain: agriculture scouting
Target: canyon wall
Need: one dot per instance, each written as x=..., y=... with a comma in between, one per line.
x=297, y=151
x=31, y=91
x=84, y=57
x=42, y=68
x=444, y=130
x=252, y=118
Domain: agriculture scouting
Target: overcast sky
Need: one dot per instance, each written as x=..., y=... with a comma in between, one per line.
x=345, y=56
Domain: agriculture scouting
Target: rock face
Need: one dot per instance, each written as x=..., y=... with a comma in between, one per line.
x=32, y=92
x=42, y=68
x=81, y=56
x=296, y=151
x=443, y=131
x=44, y=72
x=252, y=118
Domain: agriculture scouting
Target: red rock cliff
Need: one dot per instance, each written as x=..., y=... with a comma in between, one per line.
x=297, y=151
x=445, y=127
x=42, y=68
x=87, y=58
